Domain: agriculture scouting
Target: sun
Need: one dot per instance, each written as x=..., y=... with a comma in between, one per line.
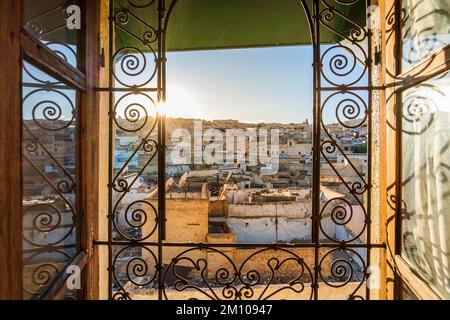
x=183, y=103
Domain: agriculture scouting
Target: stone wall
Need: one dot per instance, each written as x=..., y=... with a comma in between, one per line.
x=187, y=221
x=277, y=221
x=292, y=209
x=218, y=208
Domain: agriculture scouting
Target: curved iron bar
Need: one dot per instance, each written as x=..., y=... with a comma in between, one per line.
x=126, y=190
x=343, y=65
x=220, y=276
x=136, y=267
x=358, y=34
x=230, y=277
x=223, y=276
x=122, y=18
x=148, y=145
x=140, y=6
x=338, y=65
x=35, y=144
x=45, y=215
x=133, y=62
x=132, y=114
x=355, y=185
x=52, y=112
x=339, y=216
x=342, y=268
x=137, y=215
x=277, y=266
x=333, y=144
x=38, y=29
x=340, y=62
x=42, y=274
x=44, y=221
x=354, y=190
x=120, y=296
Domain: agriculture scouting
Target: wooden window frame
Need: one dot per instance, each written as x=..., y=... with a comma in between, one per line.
x=17, y=45
x=414, y=282
x=431, y=66
x=434, y=65
x=11, y=152
x=394, y=81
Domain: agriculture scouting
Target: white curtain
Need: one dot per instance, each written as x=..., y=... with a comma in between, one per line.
x=426, y=180
x=427, y=17
x=426, y=28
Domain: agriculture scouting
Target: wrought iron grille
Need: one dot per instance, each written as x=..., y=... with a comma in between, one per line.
x=142, y=264
x=50, y=191
x=50, y=152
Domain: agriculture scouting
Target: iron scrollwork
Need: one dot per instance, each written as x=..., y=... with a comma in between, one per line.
x=49, y=25
x=257, y=277
x=134, y=67
x=50, y=214
x=142, y=265
x=345, y=88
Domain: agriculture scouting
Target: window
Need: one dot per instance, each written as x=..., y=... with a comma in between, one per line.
x=51, y=120
x=50, y=213
x=334, y=244
x=425, y=190
x=57, y=25
x=422, y=135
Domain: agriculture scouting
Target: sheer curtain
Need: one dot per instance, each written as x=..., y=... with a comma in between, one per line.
x=427, y=16
x=426, y=28
x=426, y=180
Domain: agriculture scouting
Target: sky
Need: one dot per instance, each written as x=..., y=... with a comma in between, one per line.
x=250, y=85
x=255, y=85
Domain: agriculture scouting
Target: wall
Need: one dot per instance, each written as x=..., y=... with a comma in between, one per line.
x=292, y=209
x=215, y=259
x=218, y=208
x=277, y=221
x=187, y=220
x=354, y=226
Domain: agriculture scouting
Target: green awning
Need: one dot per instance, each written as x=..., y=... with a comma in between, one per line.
x=208, y=24
x=220, y=24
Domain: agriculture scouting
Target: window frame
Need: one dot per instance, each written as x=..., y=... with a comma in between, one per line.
x=433, y=65
x=18, y=45
x=11, y=153
x=40, y=56
x=393, y=81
